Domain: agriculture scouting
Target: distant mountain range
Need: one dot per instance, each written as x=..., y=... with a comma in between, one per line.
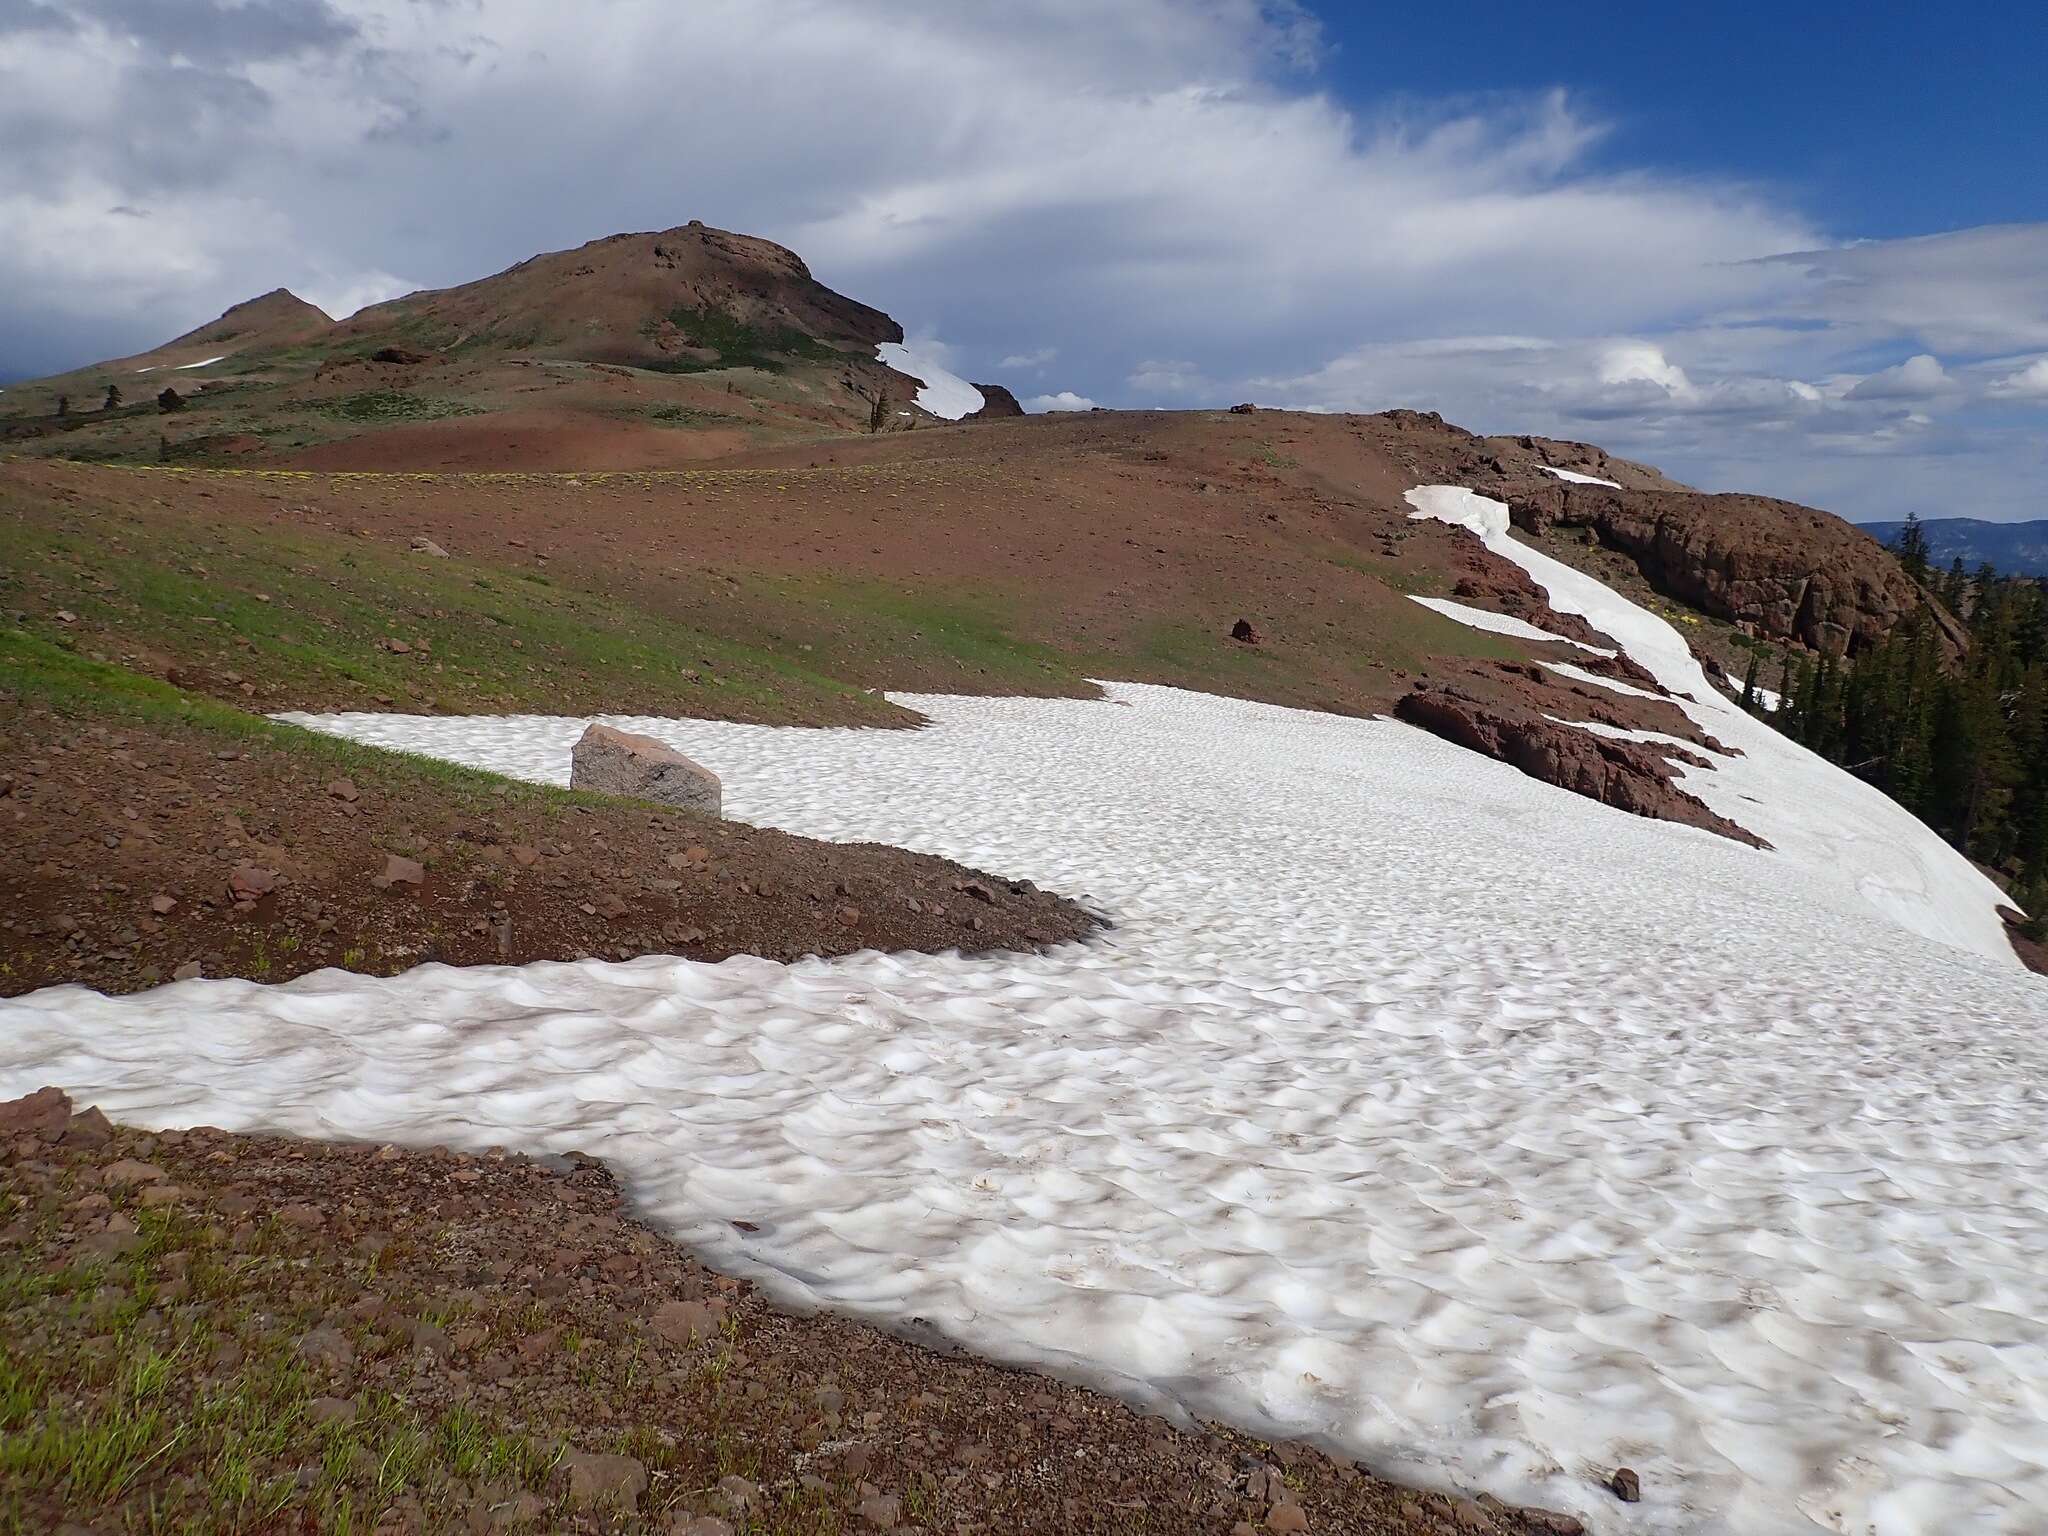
x=2016, y=549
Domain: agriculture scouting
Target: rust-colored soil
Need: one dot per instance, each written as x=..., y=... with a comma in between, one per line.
x=524, y=439
x=138, y=852
x=427, y=1342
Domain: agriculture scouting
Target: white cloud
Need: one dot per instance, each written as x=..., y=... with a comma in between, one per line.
x=1920, y=377
x=1065, y=400
x=2030, y=383
x=1165, y=180
x=1637, y=362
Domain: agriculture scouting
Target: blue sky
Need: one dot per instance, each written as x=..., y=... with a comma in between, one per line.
x=1877, y=119
x=1764, y=251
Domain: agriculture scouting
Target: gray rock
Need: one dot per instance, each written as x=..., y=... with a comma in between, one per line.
x=615, y=762
x=605, y=1480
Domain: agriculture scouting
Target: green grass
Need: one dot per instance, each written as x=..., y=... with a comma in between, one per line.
x=686, y=415
x=144, y=1418
x=301, y=613
x=386, y=405
x=35, y=669
x=959, y=638
x=738, y=343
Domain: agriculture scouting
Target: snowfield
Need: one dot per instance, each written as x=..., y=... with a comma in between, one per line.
x=1488, y=1133
x=1576, y=478
x=943, y=393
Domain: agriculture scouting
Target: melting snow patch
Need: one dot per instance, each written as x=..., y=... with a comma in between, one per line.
x=942, y=393
x=204, y=362
x=1578, y=479
x=1804, y=806
x=1500, y=623
x=1480, y=1129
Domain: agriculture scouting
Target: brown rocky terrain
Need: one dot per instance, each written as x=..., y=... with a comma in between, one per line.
x=251, y=1333
x=1629, y=776
x=996, y=401
x=1778, y=570
x=686, y=296
x=141, y=850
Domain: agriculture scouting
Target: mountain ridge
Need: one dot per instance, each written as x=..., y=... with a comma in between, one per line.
x=2013, y=549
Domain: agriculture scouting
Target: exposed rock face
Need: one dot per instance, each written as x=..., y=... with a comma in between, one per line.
x=615, y=762
x=1787, y=571
x=995, y=401
x=1625, y=775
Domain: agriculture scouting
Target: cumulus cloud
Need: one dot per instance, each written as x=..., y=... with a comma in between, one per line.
x=1920, y=377
x=1166, y=181
x=2029, y=383
x=1065, y=400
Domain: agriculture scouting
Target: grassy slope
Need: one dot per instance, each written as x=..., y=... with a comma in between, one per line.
x=300, y=617
x=39, y=671
x=284, y=613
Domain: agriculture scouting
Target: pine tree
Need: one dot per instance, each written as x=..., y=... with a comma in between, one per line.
x=1911, y=547
x=1749, y=699
x=1955, y=586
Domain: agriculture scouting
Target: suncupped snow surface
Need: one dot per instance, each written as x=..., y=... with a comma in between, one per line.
x=942, y=392
x=1491, y=1134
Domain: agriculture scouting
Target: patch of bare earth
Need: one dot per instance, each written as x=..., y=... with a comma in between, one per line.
x=209, y=1332
x=141, y=852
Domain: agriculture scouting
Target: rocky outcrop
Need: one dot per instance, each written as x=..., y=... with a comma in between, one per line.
x=996, y=402
x=1775, y=568
x=615, y=762
x=1628, y=776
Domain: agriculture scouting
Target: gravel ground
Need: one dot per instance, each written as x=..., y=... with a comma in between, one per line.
x=210, y=1332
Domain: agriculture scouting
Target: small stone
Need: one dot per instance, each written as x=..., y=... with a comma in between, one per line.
x=163, y=906
x=43, y=1114
x=1626, y=1485
x=331, y=1410
x=251, y=882
x=89, y=1128
x=129, y=1171
x=682, y=1321
x=882, y=1510
x=342, y=789
x=602, y=1480
x=328, y=1346
x=523, y=855
x=422, y=545
x=1286, y=1519
x=399, y=871
x=305, y=1217
x=523, y=1508
x=736, y=1495
x=162, y=1194
x=189, y=971
x=1243, y=632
